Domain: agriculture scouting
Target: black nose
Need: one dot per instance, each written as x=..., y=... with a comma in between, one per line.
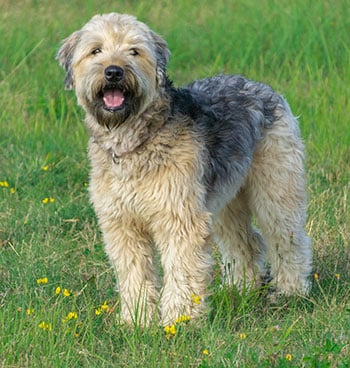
x=114, y=73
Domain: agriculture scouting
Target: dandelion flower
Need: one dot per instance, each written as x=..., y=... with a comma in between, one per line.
x=316, y=276
x=12, y=190
x=45, y=167
x=205, y=352
x=242, y=336
x=43, y=280
x=58, y=290
x=98, y=311
x=289, y=357
x=4, y=184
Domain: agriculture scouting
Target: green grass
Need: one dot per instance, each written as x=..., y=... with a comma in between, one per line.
x=302, y=49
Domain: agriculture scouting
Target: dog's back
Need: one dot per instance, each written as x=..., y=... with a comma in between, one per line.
x=233, y=96
x=231, y=115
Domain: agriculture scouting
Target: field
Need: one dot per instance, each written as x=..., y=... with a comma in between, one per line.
x=58, y=306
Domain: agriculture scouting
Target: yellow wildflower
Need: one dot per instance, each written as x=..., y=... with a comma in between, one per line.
x=196, y=299
x=30, y=311
x=242, y=336
x=182, y=319
x=48, y=200
x=4, y=184
x=45, y=326
x=316, y=276
x=105, y=306
x=66, y=292
x=70, y=316
x=289, y=357
x=45, y=167
x=12, y=190
x=58, y=290
x=43, y=280
x=170, y=330
x=337, y=276
x=205, y=352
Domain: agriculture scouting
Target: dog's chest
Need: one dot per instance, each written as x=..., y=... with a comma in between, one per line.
x=119, y=187
x=142, y=183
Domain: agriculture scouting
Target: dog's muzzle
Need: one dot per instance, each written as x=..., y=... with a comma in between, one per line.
x=113, y=96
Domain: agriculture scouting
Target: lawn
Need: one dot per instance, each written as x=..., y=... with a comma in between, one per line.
x=58, y=304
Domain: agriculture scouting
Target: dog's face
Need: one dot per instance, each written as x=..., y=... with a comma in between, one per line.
x=116, y=65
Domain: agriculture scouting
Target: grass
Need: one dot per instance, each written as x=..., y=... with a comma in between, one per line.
x=300, y=48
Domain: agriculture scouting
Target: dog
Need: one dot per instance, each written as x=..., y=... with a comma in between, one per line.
x=173, y=169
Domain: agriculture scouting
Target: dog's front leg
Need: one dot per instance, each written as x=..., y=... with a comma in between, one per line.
x=130, y=250
x=183, y=241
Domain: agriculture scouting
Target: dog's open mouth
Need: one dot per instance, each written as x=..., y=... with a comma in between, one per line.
x=113, y=98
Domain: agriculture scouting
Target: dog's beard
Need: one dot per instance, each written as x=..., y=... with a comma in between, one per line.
x=112, y=104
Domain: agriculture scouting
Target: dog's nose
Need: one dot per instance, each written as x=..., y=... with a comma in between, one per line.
x=114, y=73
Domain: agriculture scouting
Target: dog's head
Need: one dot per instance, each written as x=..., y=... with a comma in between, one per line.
x=116, y=65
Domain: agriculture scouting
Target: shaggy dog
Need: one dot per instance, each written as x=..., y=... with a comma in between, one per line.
x=172, y=169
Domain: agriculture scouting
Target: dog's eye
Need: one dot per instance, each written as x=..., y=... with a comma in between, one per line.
x=134, y=52
x=96, y=51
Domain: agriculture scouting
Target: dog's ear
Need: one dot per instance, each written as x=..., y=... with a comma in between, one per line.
x=163, y=55
x=65, y=56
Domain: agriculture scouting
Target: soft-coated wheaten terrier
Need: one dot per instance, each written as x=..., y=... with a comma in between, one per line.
x=171, y=168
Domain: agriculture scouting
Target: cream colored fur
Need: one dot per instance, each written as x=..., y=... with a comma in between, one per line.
x=149, y=162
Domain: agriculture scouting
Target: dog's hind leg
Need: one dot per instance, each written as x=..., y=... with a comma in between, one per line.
x=277, y=196
x=240, y=244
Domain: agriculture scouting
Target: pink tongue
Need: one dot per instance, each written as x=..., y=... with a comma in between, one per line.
x=113, y=98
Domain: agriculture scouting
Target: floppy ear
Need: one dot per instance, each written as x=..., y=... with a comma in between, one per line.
x=65, y=56
x=163, y=55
